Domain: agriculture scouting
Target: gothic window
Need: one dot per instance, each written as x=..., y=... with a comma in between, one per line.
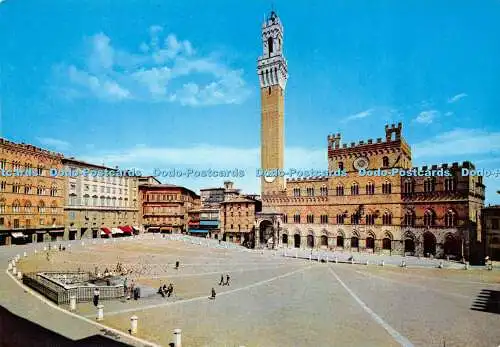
x=385, y=162
x=386, y=187
x=340, y=190
x=16, y=206
x=270, y=45
x=3, y=186
x=355, y=218
x=429, y=185
x=296, y=192
x=354, y=189
x=41, y=207
x=450, y=219
x=16, y=187
x=449, y=184
x=409, y=219
x=27, y=207
x=323, y=191
x=370, y=219
x=324, y=219
x=429, y=218
x=409, y=186
x=370, y=188
x=387, y=218
x=310, y=218
x=310, y=191
x=296, y=218
x=340, y=219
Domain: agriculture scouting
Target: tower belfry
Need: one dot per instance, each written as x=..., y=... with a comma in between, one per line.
x=273, y=75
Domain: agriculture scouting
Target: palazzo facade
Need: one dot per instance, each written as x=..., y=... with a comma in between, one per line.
x=433, y=213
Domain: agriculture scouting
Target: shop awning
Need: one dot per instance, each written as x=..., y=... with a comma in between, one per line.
x=105, y=231
x=199, y=231
x=116, y=231
x=17, y=234
x=127, y=229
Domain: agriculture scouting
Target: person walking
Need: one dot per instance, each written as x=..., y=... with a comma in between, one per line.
x=227, y=280
x=96, y=296
x=170, y=290
x=221, y=280
x=213, y=294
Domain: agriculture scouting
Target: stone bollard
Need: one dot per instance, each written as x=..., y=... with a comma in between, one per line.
x=327, y=260
x=336, y=260
x=100, y=312
x=382, y=263
x=19, y=275
x=9, y=267
x=69, y=245
x=367, y=262
x=466, y=266
x=72, y=302
x=36, y=251
x=403, y=263
x=440, y=265
x=83, y=243
x=14, y=271
x=296, y=254
x=25, y=254
x=319, y=258
x=133, y=325
x=18, y=257
x=310, y=257
x=352, y=261
x=177, y=338
x=44, y=249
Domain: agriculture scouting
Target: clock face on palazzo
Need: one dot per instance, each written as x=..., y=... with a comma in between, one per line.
x=269, y=179
x=361, y=163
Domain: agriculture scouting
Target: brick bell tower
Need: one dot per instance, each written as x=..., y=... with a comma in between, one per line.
x=273, y=75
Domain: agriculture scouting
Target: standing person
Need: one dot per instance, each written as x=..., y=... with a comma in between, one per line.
x=170, y=289
x=227, y=280
x=221, y=280
x=177, y=265
x=213, y=294
x=125, y=286
x=96, y=296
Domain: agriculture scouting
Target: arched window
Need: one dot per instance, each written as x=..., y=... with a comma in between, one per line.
x=310, y=218
x=324, y=219
x=16, y=206
x=370, y=188
x=41, y=207
x=386, y=187
x=370, y=219
x=429, y=218
x=354, y=189
x=323, y=191
x=270, y=45
x=296, y=218
x=450, y=219
x=86, y=200
x=27, y=207
x=409, y=219
x=310, y=191
x=340, y=219
x=429, y=184
x=385, y=162
x=409, y=186
x=449, y=184
x=387, y=218
x=296, y=192
x=340, y=189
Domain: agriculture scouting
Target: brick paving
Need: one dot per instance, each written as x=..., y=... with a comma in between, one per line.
x=286, y=301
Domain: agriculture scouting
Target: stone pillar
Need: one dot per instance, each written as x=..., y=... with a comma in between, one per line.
x=177, y=338
x=72, y=302
x=19, y=276
x=100, y=312
x=133, y=325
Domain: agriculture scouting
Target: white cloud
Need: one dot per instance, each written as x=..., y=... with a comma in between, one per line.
x=426, y=117
x=164, y=69
x=53, y=143
x=459, y=142
x=359, y=115
x=457, y=97
x=204, y=157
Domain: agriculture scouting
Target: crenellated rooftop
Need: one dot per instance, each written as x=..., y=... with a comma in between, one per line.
x=453, y=166
x=308, y=179
x=30, y=148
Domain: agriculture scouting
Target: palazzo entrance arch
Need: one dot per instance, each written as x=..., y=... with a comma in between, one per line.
x=296, y=240
x=429, y=244
x=265, y=231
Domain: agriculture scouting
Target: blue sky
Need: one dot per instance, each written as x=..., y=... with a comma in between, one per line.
x=171, y=84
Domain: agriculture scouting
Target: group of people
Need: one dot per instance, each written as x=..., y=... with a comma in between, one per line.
x=164, y=290
x=222, y=283
x=131, y=290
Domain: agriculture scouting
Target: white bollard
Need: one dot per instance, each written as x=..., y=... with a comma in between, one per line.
x=177, y=338
x=336, y=260
x=25, y=254
x=69, y=246
x=310, y=257
x=72, y=302
x=19, y=275
x=440, y=265
x=466, y=267
x=133, y=325
x=367, y=262
x=403, y=263
x=352, y=260
x=100, y=312
x=382, y=263
x=14, y=271
x=18, y=257
x=319, y=257
x=83, y=243
x=36, y=251
x=9, y=267
x=327, y=260
x=44, y=249
x=296, y=254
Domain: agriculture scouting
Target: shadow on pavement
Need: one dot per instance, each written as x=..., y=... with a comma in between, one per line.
x=16, y=331
x=487, y=301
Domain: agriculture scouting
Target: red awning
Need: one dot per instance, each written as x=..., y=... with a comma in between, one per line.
x=106, y=230
x=127, y=229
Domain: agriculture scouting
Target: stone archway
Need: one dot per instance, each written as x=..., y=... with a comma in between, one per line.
x=429, y=244
x=451, y=246
x=310, y=241
x=409, y=243
x=324, y=241
x=296, y=240
x=265, y=231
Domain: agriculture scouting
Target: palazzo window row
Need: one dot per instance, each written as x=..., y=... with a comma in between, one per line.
x=429, y=219
x=408, y=187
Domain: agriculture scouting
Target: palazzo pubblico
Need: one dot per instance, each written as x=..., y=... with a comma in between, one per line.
x=422, y=215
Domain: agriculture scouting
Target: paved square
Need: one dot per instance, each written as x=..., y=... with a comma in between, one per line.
x=282, y=301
